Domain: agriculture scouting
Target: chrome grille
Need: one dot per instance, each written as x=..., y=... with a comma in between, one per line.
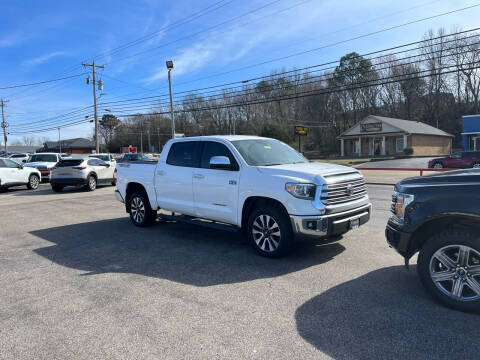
x=343, y=191
x=394, y=204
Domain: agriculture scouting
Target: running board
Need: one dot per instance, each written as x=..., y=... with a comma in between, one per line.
x=202, y=222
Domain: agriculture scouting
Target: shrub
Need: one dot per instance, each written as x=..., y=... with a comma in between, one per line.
x=408, y=151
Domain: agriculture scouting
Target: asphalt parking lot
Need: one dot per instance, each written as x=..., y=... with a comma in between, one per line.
x=78, y=281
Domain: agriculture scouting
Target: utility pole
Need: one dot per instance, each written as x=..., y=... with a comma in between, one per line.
x=169, y=64
x=141, y=141
x=59, y=141
x=4, y=123
x=149, y=145
x=100, y=87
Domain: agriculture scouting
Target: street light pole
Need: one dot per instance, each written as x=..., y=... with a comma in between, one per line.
x=169, y=64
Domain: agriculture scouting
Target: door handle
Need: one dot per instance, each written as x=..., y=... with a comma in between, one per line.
x=161, y=172
x=198, y=176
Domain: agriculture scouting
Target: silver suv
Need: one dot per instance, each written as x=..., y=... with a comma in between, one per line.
x=81, y=172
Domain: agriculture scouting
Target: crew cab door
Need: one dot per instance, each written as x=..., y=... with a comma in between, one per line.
x=6, y=173
x=215, y=191
x=173, y=178
x=16, y=172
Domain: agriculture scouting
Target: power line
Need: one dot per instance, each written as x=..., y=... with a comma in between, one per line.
x=40, y=82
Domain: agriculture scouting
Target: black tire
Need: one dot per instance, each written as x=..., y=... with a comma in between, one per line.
x=33, y=182
x=141, y=212
x=445, y=244
x=438, y=165
x=91, y=184
x=267, y=240
x=57, y=188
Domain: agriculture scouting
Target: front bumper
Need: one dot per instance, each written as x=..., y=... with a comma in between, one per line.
x=399, y=240
x=68, y=181
x=45, y=175
x=331, y=224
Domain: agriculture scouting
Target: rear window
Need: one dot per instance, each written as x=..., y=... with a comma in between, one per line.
x=67, y=163
x=43, y=158
x=182, y=154
x=101, y=157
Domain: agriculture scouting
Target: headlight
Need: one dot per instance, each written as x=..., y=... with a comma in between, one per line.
x=301, y=191
x=400, y=203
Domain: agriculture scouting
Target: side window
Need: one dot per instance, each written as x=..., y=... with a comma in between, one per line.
x=10, y=163
x=2, y=164
x=183, y=154
x=92, y=162
x=211, y=149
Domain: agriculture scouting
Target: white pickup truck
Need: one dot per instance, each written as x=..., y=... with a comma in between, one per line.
x=259, y=185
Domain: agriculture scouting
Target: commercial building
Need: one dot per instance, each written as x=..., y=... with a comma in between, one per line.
x=79, y=146
x=471, y=133
x=381, y=136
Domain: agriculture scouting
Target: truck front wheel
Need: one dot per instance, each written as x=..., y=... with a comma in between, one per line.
x=270, y=231
x=449, y=268
x=141, y=213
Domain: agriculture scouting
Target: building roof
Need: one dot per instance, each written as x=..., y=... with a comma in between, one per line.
x=403, y=126
x=21, y=148
x=77, y=143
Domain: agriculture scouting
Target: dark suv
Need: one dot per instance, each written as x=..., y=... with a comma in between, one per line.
x=439, y=217
x=459, y=160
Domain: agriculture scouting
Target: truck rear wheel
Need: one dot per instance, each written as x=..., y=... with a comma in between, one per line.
x=449, y=268
x=141, y=213
x=270, y=231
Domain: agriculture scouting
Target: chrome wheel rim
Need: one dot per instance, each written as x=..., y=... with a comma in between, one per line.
x=455, y=271
x=92, y=183
x=137, y=209
x=266, y=233
x=34, y=181
x=438, y=166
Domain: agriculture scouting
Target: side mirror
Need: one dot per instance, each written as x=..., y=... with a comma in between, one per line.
x=24, y=161
x=20, y=166
x=107, y=165
x=220, y=162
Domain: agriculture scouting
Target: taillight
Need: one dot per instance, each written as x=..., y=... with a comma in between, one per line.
x=79, y=167
x=115, y=176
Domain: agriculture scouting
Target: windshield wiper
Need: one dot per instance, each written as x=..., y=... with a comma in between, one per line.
x=272, y=164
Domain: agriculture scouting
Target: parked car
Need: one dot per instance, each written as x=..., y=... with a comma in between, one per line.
x=44, y=162
x=258, y=185
x=15, y=174
x=18, y=157
x=439, y=217
x=461, y=160
x=135, y=157
x=105, y=157
x=88, y=173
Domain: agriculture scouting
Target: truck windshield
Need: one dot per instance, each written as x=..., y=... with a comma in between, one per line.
x=43, y=158
x=267, y=152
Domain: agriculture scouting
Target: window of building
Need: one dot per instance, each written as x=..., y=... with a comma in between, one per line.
x=354, y=146
x=399, y=144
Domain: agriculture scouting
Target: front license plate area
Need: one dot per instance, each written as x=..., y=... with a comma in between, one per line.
x=354, y=224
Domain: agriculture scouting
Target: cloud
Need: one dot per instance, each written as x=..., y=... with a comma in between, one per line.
x=43, y=59
x=12, y=39
x=238, y=41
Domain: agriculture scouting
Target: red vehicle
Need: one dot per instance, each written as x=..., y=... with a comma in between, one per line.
x=460, y=160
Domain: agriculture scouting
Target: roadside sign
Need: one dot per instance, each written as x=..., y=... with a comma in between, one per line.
x=300, y=130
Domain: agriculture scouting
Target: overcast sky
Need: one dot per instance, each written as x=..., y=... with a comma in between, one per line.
x=45, y=39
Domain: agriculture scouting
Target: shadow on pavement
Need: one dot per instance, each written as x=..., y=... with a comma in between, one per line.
x=178, y=252
x=48, y=190
x=386, y=314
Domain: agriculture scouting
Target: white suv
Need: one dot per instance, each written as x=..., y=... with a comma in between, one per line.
x=81, y=172
x=14, y=174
